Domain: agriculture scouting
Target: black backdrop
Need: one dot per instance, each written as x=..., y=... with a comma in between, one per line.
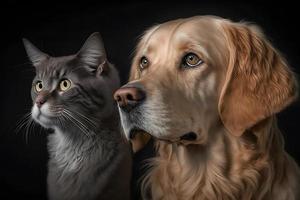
x=61, y=28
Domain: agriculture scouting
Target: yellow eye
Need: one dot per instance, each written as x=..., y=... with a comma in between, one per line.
x=38, y=86
x=65, y=85
x=191, y=60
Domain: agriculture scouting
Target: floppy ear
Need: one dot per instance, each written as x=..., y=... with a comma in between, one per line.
x=93, y=54
x=258, y=82
x=35, y=55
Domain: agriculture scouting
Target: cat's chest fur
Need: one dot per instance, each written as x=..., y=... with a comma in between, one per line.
x=71, y=154
x=82, y=168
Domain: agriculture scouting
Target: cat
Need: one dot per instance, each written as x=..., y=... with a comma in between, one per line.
x=73, y=95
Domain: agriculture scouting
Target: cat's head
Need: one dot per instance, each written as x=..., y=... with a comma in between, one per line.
x=75, y=90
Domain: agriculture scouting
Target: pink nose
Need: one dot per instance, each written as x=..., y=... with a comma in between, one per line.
x=129, y=97
x=41, y=99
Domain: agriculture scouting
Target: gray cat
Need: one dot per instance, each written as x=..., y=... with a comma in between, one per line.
x=73, y=95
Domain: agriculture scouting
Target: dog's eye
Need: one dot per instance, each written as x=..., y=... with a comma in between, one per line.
x=144, y=63
x=191, y=60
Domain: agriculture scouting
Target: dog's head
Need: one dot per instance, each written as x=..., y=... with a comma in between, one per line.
x=192, y=76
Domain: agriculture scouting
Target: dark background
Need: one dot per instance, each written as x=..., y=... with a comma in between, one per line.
x=61, y=28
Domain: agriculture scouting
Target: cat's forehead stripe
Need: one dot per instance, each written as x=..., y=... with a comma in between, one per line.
x=49, y=71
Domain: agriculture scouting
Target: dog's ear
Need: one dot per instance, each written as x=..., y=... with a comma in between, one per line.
x=258, y=81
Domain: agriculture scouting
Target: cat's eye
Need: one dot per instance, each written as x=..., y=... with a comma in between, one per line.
x=144, y=63
x=38, y=86
x=191, y=60
x=65, y=85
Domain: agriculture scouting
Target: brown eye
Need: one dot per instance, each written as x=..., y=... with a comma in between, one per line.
x=65, y=85
x=191, y=60
x=144, y=63
x=38, y=86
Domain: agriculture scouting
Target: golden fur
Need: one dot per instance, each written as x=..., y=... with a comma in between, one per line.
x=230, y=102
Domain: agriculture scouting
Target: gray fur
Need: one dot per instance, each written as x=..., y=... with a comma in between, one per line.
x=34, y=54
x=88, y=157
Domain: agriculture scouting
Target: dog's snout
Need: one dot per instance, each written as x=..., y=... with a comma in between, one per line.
x=129, y=97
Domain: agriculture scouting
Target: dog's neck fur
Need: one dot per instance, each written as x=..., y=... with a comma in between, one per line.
x=228, y=168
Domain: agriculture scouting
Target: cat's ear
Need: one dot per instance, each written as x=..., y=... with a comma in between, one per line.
x=93, y=54
x=35, y=55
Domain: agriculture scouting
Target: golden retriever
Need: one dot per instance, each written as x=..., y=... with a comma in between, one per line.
x=207, y=89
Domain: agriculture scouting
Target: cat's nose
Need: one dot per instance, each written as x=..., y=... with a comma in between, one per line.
x=129, y=96
x=40, y=100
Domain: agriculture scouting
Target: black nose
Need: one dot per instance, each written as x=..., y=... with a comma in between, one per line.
x=128, y=97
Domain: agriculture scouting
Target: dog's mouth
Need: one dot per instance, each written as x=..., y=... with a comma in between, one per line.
x=189, y=136
x=139, y=138
x=134, y=131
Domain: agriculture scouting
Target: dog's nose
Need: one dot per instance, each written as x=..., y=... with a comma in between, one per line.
x=129, y=97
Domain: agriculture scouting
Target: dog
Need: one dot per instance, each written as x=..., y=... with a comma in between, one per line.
x=208, y=89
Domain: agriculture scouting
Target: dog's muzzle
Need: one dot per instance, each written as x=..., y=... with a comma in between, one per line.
x=129, y=96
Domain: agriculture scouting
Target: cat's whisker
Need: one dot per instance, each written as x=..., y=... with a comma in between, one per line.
x=32, y=127
x=28, y=129
x=57, y=106
x=61, y=120
x=56, y=109
x=22, y=122
x=66, y=116
x=89, y=123
x=72, y=116
x=31, y=130
x=80, y=125
x=26, y=122
x=87, y=119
